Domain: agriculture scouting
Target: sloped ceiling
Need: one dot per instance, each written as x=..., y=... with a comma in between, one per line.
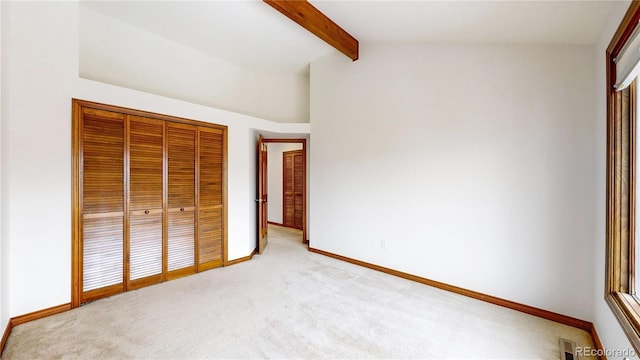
x=495, y=22
x=253, y=35
x=246, y=33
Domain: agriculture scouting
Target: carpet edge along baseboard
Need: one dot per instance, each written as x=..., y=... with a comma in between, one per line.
x=242, y=259
x=21, y=319
x=545, y=314
x=5, y=336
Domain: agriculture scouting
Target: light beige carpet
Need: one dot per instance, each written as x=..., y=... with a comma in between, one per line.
x=290, y=303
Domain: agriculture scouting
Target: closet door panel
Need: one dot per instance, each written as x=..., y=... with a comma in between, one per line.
x=297, y=190
x=210, y=192
x=102, y=201
x=288, y=198
x=293, y=185
x=181, y=152
x=146, y=187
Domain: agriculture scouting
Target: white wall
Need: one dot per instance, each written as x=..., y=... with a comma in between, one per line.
x=607, y=325
x=469, y=165
x=39, y=80
x=4, y=286
x=37, y=167
x=274, y=178
x=117, y=53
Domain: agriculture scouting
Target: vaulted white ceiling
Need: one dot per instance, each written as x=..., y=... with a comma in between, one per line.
x=253, y=35
x=250, y=34
x=515, y=21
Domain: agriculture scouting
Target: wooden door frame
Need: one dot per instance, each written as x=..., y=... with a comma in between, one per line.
x=262, y=195
x=305, y=239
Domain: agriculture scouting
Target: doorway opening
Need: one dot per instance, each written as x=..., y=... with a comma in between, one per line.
x=282, y=187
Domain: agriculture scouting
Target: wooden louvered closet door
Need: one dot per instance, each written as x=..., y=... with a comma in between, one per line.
x=146, y=188
x=292, y=165
x=297, y=190
x=102, y=203
x=181, y=153
x=149, y=199
x=287, y=191
x=210, y=198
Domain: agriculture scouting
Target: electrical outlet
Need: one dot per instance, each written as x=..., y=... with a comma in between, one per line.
x=383, y=244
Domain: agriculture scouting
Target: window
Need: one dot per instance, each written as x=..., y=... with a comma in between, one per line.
x=623, y=64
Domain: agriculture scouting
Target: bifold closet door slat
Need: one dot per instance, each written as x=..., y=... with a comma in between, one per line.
x=288, y=198
x=181, y=153
x=210, y=214
x=297, y=189
x=146, y=186
x=102, y=186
